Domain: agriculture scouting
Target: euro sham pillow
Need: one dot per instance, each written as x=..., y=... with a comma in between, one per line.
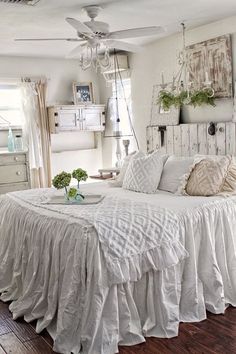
x=173, y=171
x=211, y=176
x=143, y=174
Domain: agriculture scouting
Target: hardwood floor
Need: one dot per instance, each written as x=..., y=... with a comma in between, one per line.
x=216, y=335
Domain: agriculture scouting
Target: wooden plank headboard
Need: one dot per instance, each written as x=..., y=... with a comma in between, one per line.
x=190, y=139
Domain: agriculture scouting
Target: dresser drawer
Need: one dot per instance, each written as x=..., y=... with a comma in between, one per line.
x=13, y=173
x=6, y=188
x=6, y=159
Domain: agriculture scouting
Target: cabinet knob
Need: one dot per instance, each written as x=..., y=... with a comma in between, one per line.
x=18, y=173
x=16, y=158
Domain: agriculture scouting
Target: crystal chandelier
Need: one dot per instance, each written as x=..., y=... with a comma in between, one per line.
x=183, y=82
x=95, y=55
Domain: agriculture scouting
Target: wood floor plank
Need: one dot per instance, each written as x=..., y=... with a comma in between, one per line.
x=216, y=335
x=4, y=310
x=4, y=328
x=38, y=346
x=22, y=329
x=12, y=345
x=44, y=334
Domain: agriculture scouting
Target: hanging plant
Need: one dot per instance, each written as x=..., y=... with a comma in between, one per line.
x=167, y=99
x=200, y=97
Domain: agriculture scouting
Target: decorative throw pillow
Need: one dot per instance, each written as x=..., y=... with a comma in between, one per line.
x=143, y=174
x=211, y=176
x=229, y=184
x=118, y=181
x=173, y=171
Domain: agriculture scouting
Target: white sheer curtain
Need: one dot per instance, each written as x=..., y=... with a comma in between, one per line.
x=32, y=134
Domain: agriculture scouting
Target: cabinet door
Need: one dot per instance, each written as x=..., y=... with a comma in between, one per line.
x=69, y=119
x=93, y=119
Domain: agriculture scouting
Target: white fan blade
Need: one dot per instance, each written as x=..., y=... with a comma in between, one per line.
x=136, y=32
x=80, y=27
x=128, y=47
x=48, y=39
x=76, y=51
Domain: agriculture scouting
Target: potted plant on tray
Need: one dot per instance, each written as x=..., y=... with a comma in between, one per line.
x=63, y=179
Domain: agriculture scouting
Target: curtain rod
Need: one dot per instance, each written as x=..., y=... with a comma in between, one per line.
x=32, y=78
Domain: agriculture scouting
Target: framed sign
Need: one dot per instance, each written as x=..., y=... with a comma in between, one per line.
x=83, y=92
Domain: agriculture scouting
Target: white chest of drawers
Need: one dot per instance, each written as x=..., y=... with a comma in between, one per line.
x=14, y=171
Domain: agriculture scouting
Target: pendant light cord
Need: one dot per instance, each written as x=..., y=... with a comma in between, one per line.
x=126, y=102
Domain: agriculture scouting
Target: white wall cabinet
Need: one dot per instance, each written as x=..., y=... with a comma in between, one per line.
x=76, y=118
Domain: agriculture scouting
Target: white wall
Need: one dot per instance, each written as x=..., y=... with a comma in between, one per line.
x=60, y=74
x=161, y=56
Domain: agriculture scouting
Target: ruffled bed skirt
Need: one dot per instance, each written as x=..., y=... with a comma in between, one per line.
x=60, y=280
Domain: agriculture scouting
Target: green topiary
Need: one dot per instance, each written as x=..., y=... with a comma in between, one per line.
x=80, y=174
x=62, y=180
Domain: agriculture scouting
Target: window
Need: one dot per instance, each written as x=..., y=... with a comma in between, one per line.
x=10, y=106
x=123, y=91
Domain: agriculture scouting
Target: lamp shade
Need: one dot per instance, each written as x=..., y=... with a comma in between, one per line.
x=118, y=121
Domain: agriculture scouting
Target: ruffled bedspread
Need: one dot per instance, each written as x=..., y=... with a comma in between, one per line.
x=99, y=276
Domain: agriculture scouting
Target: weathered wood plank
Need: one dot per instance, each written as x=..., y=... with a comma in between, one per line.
x=170, y=140
x=211, y=143
x=156, y=139
x=202, y=139
x=193, y=139
x=177, y=140
x=190, y=139
x=230, y=137
x=149, y=135
x=185, y=142
x=220, y=139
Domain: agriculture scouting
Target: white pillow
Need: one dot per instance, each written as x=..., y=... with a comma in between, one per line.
x=118, y=181
x=143, y=174
x=174, y=170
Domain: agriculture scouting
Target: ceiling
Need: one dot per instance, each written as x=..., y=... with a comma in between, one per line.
x=46, y=19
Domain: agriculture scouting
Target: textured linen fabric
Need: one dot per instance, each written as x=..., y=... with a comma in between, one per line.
x=143, y=174
x=55, y=274
x=173, y=171
x=134, y=236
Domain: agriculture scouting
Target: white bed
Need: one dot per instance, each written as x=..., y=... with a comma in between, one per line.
x=53, y=268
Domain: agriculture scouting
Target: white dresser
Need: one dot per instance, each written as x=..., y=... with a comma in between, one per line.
x=14, y=171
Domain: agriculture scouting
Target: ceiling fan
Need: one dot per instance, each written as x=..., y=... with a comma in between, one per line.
x=95, y=33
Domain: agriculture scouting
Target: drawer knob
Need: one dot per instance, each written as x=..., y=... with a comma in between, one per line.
x=16, y=158
x=18, y=173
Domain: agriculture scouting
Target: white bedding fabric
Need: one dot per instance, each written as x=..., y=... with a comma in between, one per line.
x=59, y=275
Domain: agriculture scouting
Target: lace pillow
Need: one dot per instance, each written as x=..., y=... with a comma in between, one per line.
x=143, y=174
x=211, y=176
